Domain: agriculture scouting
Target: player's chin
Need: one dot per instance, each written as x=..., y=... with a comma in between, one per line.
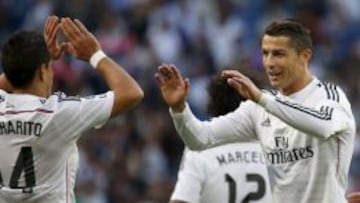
x=276, y=84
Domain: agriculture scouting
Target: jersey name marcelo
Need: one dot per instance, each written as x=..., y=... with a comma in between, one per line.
x=240, y=157
x=26, y=128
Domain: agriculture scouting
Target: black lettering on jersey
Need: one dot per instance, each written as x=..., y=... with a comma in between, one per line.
x=30, y=123
x=302, y=153
x=246, y=157
x=289, y=156
x=221, y=159
x=26, y=128
x=3, y=130
x=11, y=129
x=310, y=151
x=37, y=129
x=255, y=158
x=239, y=156
x=286, y=156
x=231, y=158
x=19, y=127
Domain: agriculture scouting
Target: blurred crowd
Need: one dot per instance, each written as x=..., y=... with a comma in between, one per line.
x=134, y=158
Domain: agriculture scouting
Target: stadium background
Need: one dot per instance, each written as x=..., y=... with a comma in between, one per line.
x=134, y=158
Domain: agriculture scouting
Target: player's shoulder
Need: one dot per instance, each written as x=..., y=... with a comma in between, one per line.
x=59, y=101
x=62, y=97
x=3, y=91
x=59, y=96
x=331, y=91
x=3, y=94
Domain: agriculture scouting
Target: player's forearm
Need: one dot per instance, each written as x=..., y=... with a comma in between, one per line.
x=126, y=90
x=200, y=135
x=322, y=123
x=4, y=83
x=192, y=131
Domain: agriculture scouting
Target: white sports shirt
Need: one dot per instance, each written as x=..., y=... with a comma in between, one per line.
x=230, y=173
x=38, y=153
x=307, y=137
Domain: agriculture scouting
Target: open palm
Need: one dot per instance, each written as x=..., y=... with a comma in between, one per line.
x=174, y=88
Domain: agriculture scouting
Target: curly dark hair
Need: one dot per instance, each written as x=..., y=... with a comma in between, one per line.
x=223, y=98
x=21, y=55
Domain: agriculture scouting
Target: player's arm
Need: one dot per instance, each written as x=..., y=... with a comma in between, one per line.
x=353, y=197
x=4, y=83
x=190, y=179
x=329, y=118
x=83, y=45
x=326, y=119
x=196, y=134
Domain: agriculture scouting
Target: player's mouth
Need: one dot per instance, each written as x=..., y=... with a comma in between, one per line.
x=274, y=75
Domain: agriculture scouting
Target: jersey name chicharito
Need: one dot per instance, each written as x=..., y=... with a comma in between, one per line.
x=230, y=173
x=307, y=138
x=38, y=153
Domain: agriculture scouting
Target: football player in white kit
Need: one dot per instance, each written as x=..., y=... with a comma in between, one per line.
x=306, y=127
x=38, y=129
x=229, y=173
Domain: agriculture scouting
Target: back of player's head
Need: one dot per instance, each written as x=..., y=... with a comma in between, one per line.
x=21, y=55
x=223, y=98
x=298, y=34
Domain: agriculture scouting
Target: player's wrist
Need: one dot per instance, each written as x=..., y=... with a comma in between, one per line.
x=178, y=108
x=96, y=58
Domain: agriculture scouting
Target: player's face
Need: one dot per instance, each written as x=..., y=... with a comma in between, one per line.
x=284, y=66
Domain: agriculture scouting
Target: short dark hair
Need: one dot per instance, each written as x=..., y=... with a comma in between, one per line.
x=299, y=34
x=223, y=98
x=21, y=55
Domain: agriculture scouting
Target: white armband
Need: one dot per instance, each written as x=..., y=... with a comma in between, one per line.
x=96, y=58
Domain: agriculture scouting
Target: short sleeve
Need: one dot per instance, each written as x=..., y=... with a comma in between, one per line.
x=74, y=115
x=190, y=178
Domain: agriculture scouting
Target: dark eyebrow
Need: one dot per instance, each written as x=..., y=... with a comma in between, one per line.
x=273, y=50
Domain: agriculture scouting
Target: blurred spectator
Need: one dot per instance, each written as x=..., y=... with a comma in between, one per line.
x=134, y=158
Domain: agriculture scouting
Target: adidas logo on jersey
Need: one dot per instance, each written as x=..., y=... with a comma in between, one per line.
x=266, y=123
x=42, y=101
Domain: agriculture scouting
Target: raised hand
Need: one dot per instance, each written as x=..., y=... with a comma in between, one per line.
x=174, y=88
x=51, y=30
x=353, y=197
x=81, y=43
x=242, y=84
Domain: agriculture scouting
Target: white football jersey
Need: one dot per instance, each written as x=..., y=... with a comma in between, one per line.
x=230, y=173
x=38, y=153
x=307, y=137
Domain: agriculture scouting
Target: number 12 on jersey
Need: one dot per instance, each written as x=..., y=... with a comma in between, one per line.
x=24, y=162
x=251, y=177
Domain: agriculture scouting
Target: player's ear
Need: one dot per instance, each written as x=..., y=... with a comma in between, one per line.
x=306, y=55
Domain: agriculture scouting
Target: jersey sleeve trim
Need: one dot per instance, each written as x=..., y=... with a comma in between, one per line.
x=332, y=92
x=38, y=110
x=325, y=112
